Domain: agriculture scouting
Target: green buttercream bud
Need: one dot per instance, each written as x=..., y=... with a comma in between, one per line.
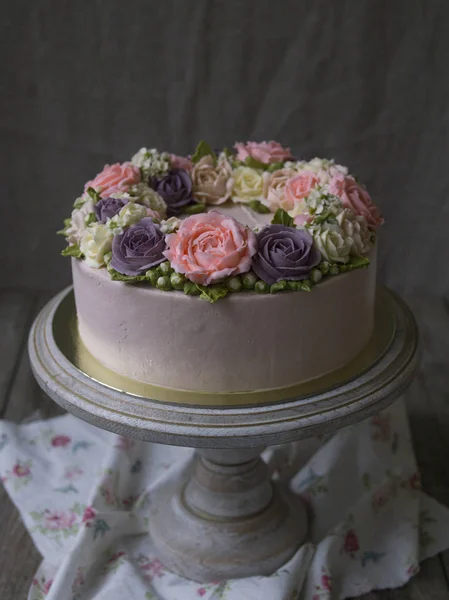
x=279, y=286
x=306, y=285
x=261, y=287
x=324, y=267
x=249, y=281
x=344, y=268
x=234, y=284
x=165, y=268
x=334, y=270
x=153, y=276
x=191, y=289
x=294, y=286
x=177, y=281
x=316, y=275
x=163, y=283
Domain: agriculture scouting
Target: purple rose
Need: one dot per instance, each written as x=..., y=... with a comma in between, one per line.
x=175, y=188
x=285, y=253
x=106, y=208
x=138, y=249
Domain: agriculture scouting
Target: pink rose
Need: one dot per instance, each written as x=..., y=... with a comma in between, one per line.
x=115, y=178
x=297, y=188
x=59, y=519
x=180, y=162
x=21, y=470
x=274, y=187
x=209, y=247
x=265, y=152
x=89, y=514
x=355, y=197
x=60, y=440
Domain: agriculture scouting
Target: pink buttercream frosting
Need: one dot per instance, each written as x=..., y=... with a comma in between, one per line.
x=209, y=247
x=355, y=197
x=180, y=162
x=115, y=178
x=297, y=188
x=265, y=152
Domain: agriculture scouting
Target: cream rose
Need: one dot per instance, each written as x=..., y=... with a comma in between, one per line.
x=78, y=223
x=247, y=184
x=331, y=242
x=211, y=183
x=355, y=228
x=95, y=243
x=274, y=188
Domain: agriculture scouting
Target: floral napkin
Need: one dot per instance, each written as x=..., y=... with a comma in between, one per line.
x=84, y=495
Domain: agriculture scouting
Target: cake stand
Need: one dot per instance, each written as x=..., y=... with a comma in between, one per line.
x=224, y=517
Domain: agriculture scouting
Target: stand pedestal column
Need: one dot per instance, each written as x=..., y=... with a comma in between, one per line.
x=226, y=518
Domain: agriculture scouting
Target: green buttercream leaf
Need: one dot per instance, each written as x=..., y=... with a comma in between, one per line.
x=67, y=223
x=227, y=152
x=91, y=218
x=212, y=293
x=93, y=194
x=73, y=250
x=116, y=276
x=281, y=217
x=255, y=164
x=306, y=285
x=275, y=166
x=203, y=149
x=79, y=202
x=194, y=209
x=357, y=262
x=258, y=207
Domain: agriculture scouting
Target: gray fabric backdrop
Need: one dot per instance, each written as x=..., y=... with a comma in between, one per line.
x=363, y=81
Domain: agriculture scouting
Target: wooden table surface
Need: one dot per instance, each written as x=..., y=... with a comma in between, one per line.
x=427, y=402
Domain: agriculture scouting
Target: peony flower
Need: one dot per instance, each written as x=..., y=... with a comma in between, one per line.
x=21, y=470
x=95, y=243
x=130, y=214
x=180, y=162
x=355, y=197
x=60, y=440
x=151, y=162
x=299, y=187
x=331, y=242
x=78, y=224
x=247, y=184
x=355, y=228
x=274, y=188
x=209, y=247
x=211, y=183
x=106, y=208
x=285, y=253
x=115, y=178
x=265, y=152
x=175, y=188
x=138, y=249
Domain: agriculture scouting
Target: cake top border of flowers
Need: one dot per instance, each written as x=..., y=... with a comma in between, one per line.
x=156, y=219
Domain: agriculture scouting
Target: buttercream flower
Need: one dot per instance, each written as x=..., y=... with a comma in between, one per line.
x=138, y=249
x=130, y=214
x=115, y=178
x=95, y=243
x=331, y=242
x=170, y=225
x=180, y=162
x=355, y=197
x=151, y=162
x=144, y=194
x=78, y=223
x=176, y=190
x=211, y=182
x=297, y=188
x=209, y=247
x=284, y=254
x=265, y=152
x=274, y=188
x=355, y=228
x=247, y=184
x=106, y=208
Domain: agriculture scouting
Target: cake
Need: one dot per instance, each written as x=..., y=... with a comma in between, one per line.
x=225, y=271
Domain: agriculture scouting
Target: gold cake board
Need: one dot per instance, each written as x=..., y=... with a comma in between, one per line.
x=67, y=338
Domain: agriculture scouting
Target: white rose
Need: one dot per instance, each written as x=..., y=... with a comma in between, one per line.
x=355, y=228
x=79, y=222
x=130, y=214
x=331, y=242
x=95, y=243
x=247, y=184
x=151, y=162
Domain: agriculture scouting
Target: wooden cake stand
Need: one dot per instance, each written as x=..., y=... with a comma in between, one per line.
x=224, y=517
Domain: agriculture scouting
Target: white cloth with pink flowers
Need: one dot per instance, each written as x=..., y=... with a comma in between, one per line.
x=84, y=496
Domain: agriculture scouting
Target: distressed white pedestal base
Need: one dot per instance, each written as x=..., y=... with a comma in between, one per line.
x=226, y=519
